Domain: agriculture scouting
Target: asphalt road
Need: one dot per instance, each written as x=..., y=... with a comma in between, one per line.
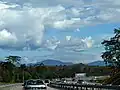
x=19, y=87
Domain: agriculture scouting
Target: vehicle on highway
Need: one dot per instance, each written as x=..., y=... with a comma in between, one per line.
x=47, y=81
x=80, y=81
x=34, y=85
x=58, y=81
x=85, y=82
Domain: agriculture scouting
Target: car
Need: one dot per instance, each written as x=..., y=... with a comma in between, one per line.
x=84, y=82
x=34, y=85
x=47, y=81
x=80, y=81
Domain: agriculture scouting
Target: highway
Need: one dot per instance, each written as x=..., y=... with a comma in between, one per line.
x=18, y=87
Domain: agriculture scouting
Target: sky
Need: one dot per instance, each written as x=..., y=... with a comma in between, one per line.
x=66, y=30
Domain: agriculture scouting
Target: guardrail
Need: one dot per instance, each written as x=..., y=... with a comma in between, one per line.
x=83, y=86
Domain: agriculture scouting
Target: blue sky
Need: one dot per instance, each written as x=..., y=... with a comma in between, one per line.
x=66, y=30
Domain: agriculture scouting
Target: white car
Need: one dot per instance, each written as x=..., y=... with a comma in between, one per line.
x=34, y=85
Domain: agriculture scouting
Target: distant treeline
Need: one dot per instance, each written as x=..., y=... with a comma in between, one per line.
x=12, y=71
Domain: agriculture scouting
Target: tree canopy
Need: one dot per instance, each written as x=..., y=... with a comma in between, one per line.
x=13, y=59
x=112, y=50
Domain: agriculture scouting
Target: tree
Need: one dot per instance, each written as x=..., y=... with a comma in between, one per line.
x=13, y=59
x=22, y=67
x=6, y=71
x=111, y=55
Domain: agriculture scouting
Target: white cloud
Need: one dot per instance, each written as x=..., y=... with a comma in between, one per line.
x=29, y=19
x=89, y=42
x=75, y=12
x=70, y=44
x=68, y=38
x=7, y=38
x=63, y=24
x=77, y=30
x=4, y=6
x=66, y=23
x=27, y=30
x=52, y=43
x=23, y=22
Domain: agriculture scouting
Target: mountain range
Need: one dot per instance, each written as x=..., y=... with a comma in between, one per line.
x=97, y=63
x=50, y=62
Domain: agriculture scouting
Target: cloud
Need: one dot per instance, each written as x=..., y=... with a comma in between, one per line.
x=20, y=26
x=70, y=44
x=77, y=30
x=4, y=6
x=51, y=43
x=89, y=42
x=68, y=38
x=27, y=20
x=7, y=38
x=63, y=24
x=75, y=57
x=66, y=23
x=24, y=23
x=74, y=49
x=45, y=3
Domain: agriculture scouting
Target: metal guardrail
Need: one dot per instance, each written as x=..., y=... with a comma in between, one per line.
x=83, y=86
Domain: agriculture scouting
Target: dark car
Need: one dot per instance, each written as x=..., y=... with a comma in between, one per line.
x=47, y=81
x=79, y=81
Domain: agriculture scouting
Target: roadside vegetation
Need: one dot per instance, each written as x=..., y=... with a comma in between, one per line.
x=11, y=71
x=111, y=57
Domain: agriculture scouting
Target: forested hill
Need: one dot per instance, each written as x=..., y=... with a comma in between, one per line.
x=97, y=63
x=50, y=62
